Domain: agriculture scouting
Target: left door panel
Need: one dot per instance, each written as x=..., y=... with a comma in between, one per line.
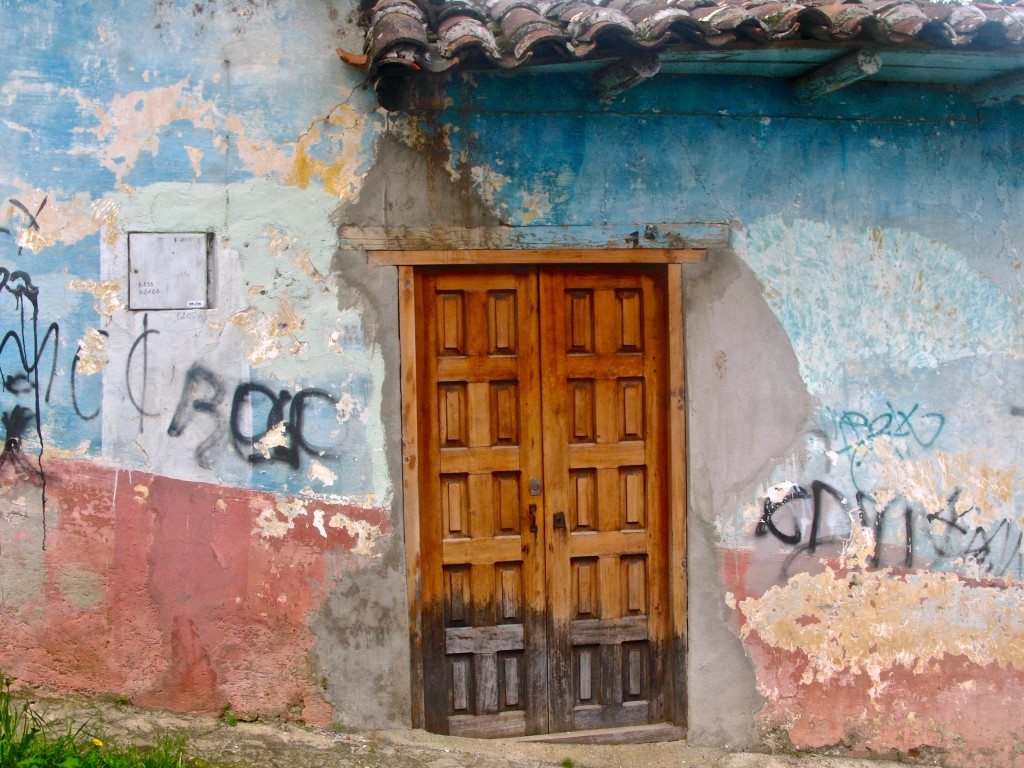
x=482, y=549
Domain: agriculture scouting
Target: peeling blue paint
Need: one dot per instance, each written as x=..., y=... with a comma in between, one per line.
x=111, y=100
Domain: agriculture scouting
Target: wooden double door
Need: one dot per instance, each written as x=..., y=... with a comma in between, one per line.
x=543, y=516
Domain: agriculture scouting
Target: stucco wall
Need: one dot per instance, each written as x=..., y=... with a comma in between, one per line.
x=202, y=515
x=855, y=332
x=858, y=338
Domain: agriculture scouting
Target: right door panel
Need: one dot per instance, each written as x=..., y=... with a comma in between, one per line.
x=604, y=371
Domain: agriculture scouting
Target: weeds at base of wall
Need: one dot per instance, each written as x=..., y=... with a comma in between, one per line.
x=777, y=742
x=231, y=717
x=29, y=741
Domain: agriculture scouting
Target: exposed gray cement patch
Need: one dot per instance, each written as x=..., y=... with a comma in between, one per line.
x=373, y=290
x=362, y=632
x=22, y=571
x=412, y=187
x=362, y=648
x=746, y=405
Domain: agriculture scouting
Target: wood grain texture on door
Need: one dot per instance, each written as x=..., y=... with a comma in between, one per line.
x=542, y=401
x=483, y=592
x=603, y=369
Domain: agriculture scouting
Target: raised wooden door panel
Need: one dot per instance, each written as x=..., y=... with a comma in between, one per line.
x=482, y=565
x=603, y=362
x=542, y=401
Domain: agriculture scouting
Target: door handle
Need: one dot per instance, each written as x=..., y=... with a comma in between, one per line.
x=533, y=517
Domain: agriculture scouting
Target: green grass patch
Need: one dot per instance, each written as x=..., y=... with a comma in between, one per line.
x=28, y=741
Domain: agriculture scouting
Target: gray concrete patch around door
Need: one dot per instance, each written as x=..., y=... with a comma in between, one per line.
x=734, y=347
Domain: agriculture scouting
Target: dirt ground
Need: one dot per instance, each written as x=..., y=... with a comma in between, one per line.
x=288, y=745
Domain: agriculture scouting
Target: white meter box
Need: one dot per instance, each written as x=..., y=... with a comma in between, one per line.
x=168, y=270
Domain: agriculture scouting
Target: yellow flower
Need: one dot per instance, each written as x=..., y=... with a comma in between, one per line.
x=97, y=742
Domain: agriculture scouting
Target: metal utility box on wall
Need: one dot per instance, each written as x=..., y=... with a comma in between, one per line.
x=168, y=270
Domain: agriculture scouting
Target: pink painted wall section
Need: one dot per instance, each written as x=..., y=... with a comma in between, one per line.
x=885, y=660
x=182, y=595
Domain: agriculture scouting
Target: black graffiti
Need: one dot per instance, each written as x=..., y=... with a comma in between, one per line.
x=294, y=421
x=203, y=406
x=74, y=386
x=139, y=403
x=858, y=512
x=19, y=284
x=30, y=352
x=766, y=524
x=16, y=423
x=202, y=394
x=31, y=349
x=137, y=399
x=996, y=551
x=33, y=218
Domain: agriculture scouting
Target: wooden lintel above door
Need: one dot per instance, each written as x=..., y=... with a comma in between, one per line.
x=539, y=256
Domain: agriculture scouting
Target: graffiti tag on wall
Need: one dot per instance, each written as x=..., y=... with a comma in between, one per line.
x=944, y=529
x=252, y=420
x=858, y=432
x=949, y=541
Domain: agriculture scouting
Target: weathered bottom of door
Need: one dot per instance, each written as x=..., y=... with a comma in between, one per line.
x=641, y=734
x=614, y=682
x=508, y=726
x=497, y=726
x=586, y=718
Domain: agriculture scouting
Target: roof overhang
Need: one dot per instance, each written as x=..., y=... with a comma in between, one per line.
x=976, y=48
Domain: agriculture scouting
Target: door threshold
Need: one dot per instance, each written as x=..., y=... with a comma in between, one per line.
x=631, y=734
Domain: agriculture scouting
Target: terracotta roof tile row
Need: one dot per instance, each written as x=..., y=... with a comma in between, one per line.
x=421, y=35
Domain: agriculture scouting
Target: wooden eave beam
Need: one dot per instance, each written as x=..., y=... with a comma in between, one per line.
x=623, y=74
x=837, y=74
x=539, y=256
x=998, y=90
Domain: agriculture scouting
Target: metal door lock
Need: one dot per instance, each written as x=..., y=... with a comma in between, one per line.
x=558, y=520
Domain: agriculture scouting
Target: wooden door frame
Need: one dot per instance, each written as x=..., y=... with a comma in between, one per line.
x=673, y=259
